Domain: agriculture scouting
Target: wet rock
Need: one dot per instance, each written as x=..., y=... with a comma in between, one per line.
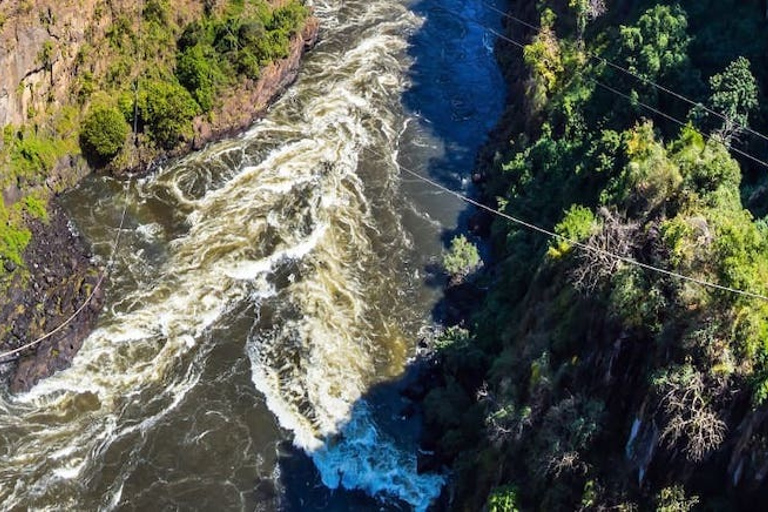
x=58, y=269
x=480, y=223
x=9, y=266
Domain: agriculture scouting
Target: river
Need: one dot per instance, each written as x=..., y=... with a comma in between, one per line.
x=268, y=288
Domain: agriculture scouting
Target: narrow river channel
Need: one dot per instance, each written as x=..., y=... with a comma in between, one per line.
x=266, y=288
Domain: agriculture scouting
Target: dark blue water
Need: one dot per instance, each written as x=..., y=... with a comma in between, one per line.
x=222, y=447
x=456, y=96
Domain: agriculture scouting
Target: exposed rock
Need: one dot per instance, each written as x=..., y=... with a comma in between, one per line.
x=242, y=106
x=62, y=278
x=59, y=276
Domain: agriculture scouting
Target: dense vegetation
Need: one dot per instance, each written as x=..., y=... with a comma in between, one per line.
x=584, y=381
x=165, y=67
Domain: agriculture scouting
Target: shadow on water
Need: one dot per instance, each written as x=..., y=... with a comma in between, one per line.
x=455, y=99
x=456, y=93
x=395, y=418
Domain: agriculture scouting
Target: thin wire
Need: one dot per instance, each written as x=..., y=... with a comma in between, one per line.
x=575, y=243
x=643, y=79
x=15, y=353
x=713, y=138
x=709, y=137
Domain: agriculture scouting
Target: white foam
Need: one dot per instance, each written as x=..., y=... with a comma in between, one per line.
x=363, y=458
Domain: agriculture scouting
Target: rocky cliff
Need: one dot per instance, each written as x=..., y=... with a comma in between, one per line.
x=51, y=55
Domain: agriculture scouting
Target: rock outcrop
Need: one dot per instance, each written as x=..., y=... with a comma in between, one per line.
x=41, y=47
x=61, y=280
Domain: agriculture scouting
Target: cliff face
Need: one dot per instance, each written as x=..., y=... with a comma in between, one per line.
x=43, y=46
x=39, y=44
x=589, y=379
x=241, y=106
x=50, y=55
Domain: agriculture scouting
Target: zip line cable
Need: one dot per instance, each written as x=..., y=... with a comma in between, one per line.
x=637, y=76
x=669, y=117
x=575, y=243
x=677, y=121
x=16, y=353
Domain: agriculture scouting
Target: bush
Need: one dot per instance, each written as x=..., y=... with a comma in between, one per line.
x=503, y=499
x=577, y=225
x=104, y=132
x=167, y=109
x=673, y=499
x=197, y=71
x=36, y=207
x=461, y=259
x=14, y=237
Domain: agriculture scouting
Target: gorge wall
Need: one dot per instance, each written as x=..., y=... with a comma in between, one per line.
x=59, y=60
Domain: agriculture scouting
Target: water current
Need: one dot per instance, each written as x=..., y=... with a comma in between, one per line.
x=269, y=287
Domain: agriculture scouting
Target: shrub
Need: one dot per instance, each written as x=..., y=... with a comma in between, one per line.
x=577, y=225
x=14, y=237
x=688, y=415
x=461, y=259
x=33, y=154
x=503, y=499
x=673, y=499
x=167, y=109
x=36, y=207
x=197, y=71
x=104, y=132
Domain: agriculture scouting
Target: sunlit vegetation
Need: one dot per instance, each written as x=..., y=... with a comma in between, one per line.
x=165, y=66
x=572, y=346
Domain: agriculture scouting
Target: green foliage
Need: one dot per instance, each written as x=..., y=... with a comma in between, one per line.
x=36, y=207
x=104, y=132
x=544, y=58
x=166, y=109
x=197, y=71
x=156, y=11
x=577, y=224
x=462, y=258
x=503, y=499
x=693, y=355
x=704, y=166
x=217, y=51
x=650, y=179
x=120, y=31
x=454, y=338
x=14, y=236
x=45, y=55
x=33, y=154
x=673, y=499
x=657, y=45
x=565, y=434
x=734, y=95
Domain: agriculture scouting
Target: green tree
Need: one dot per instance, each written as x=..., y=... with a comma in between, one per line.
x=734, y=95
x=577, y=224
x=196, y=70
x=167, y=109
x=104, y=132
x=673, y=499
x=658, y=44
x=461, y=259
x=503, y=499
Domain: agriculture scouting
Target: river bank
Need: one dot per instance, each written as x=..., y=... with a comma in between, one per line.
x=583, y=383
x=58, y=274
